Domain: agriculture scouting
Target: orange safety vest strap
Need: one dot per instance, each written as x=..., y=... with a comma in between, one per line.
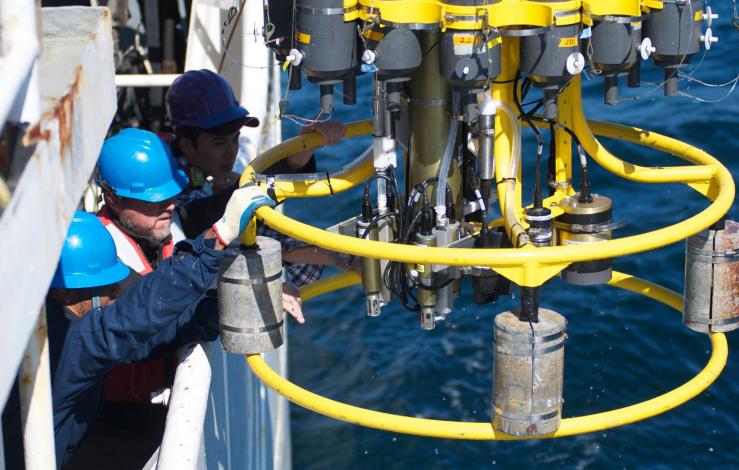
x=128, y=250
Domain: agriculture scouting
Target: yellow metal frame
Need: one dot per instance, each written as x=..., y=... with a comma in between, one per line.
x=612, y=7
x=496, y=14
x=709, y=174
x=526, y=265
x=500, y=14
x=485, y=431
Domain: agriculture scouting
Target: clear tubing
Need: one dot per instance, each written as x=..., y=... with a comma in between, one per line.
x=381, y=196
x=446, y=161
x=583, y=158
x=511, y=213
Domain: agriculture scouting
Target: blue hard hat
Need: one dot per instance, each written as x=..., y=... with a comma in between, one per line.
x=203, y=99
x=137, y=164
x=89, y=258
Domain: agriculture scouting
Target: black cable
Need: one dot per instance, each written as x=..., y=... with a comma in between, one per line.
x=382, y=177
x=559, y=125
x=525, y=87
x=373, y=223
x=328, y=180
x=529, y=103
x=539, y=141
x=585, y=194
x=401, y=202
x=376, y=220
x=433, y=286
x=428, y=181
x=431, y=48
x=397, y=275
x=551, y=165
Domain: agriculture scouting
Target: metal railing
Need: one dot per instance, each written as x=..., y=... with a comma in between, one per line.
x=64, y=120
x=183, y=434
x=19, y=52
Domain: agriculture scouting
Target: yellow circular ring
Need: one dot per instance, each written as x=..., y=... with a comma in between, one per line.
x=706, y=167
x=484, y=431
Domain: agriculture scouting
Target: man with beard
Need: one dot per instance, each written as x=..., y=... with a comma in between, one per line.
x=93, y=326
x=140, y=179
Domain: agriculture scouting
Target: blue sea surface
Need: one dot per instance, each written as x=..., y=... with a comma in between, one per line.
x=621, y=349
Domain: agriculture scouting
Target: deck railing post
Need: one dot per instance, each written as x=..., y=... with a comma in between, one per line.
x=34, y=385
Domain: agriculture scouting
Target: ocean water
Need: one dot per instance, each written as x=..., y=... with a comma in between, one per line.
x=621, y=348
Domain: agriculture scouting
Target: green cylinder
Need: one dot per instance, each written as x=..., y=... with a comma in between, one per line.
x=430, y=117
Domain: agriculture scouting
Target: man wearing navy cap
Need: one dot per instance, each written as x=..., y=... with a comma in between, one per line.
x=206, y=118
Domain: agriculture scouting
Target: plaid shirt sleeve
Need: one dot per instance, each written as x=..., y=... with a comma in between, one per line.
x=299, y=273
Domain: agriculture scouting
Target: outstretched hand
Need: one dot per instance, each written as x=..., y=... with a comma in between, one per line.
x=331, y=130
x=291, y=302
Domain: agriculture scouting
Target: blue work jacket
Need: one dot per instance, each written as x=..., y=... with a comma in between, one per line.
x=170, y=307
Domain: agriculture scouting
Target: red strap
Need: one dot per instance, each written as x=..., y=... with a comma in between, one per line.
x=168, y=249
x=218, y=235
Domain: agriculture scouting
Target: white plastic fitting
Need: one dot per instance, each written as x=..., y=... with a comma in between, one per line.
x=295, y=57
x=440, y=215
x=575, y=63
x=708, y=38
x=646, y=48
x=384, y=153
x=488, y=106
x=709, y=16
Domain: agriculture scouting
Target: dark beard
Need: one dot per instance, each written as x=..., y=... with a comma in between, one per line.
x=145, y=240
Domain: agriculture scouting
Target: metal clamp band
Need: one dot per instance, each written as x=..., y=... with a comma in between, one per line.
x=620, y=19
x=520, y=33
x=538, y=218
x=530, y=418
x=713, y=321
x=449, y=17
x=590, y=228
x=413, y=26
x=713, y=256
x=250, y=282
x=566, y=13
x=425, y=102
x=324, y=11
x=374, y=14
x=560, y=185
x=534, y=339
x=525, y=350
x=264, y=329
